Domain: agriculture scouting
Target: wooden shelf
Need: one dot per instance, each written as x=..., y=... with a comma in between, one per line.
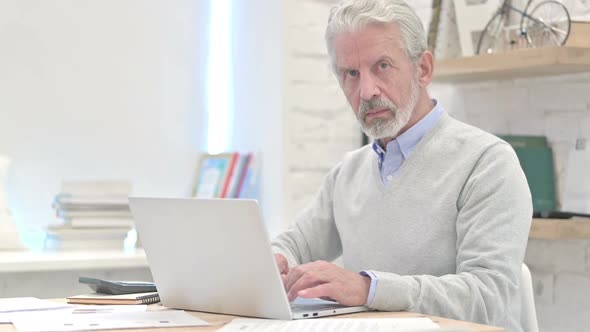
x=556, y=229
x=514, y=64
x=27, y=261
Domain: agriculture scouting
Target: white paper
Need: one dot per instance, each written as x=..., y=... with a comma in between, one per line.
x=8, y=317
x=332, y=324
x=106, y=309
x=576, y=197
x=28, y=303
x=10, y=307
x=47, y=322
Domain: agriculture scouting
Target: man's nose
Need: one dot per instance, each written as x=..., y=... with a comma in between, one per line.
x=369, y=88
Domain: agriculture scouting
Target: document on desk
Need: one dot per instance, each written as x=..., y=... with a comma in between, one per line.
x=8, y=317
x=332, y=324
x=15, y=305
x=52, y=322
x=28, y=304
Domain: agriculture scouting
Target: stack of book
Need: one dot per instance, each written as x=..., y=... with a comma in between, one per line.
x=92, y=215
x=227, y=175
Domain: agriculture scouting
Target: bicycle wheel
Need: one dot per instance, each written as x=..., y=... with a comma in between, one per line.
x=491, y=38
x=530, y=4
x=548, y=24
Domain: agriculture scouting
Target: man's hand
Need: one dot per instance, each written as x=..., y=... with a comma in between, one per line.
x=327, y=280
x=283, y=267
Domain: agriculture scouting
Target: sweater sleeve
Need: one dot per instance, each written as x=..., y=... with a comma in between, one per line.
x=493, y=222
x=313, y=236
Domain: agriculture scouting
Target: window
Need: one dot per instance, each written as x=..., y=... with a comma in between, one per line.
x=219, y=78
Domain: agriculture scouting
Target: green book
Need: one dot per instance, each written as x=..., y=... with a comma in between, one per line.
x=525, y=141
x=537, y=164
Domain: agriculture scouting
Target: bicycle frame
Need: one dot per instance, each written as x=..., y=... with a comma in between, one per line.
x=532, y=26
x=507, y=6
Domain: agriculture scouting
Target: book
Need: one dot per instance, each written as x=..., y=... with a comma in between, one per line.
x=63, y=200
x=70, y=214
x=249, y=182
x=212, y=174
x=241, y=175
x=99, y=298
x=100, y=222
x=228, y=177
x=97, y=233
x=89, y=196
x=53, y=244
x=100, y=187
x=518, y=141
x=537, y=165
x=536, y=159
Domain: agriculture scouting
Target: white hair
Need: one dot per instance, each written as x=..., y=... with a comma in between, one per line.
x=353, y=15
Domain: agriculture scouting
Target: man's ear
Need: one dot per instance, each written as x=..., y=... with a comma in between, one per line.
x=425, y=68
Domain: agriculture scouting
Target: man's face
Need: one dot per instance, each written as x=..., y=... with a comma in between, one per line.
x=378, y=78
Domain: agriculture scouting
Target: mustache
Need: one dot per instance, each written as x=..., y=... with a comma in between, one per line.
x=376, y=103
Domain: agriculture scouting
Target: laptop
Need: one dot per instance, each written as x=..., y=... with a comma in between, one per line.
x=214, y=255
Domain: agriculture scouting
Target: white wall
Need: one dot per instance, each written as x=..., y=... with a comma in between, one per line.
x=320, y=126
x=258, y=115
x=100, y=89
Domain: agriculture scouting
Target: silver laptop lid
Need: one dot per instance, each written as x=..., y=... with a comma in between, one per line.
x=210, y=255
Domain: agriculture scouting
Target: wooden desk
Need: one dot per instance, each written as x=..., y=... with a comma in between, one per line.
x=218, y=321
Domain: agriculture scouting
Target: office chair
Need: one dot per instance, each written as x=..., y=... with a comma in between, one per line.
x=528, y=314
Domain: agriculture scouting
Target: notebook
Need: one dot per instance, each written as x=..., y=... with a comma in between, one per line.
x=214, y=255
x=99, y=298
x=536, y=159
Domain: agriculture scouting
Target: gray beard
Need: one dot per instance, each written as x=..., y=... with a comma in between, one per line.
x=381, y=128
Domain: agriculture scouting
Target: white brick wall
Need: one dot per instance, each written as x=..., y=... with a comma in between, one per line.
x=320, y=127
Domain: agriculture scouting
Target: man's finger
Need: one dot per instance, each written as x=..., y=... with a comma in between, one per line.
x=308, y=279
x=301, y=285
x=325, y=290
x=282, y=263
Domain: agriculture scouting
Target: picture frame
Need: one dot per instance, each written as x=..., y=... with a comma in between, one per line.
x=212, y=174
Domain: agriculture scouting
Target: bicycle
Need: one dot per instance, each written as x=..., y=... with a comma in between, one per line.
x=547, y=24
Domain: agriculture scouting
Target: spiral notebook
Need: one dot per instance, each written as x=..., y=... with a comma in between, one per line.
x=98, y=298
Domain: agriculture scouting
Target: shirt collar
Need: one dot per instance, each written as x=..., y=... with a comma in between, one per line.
x=410, y=138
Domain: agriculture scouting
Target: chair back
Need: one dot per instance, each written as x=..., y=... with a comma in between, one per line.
x=528, y=314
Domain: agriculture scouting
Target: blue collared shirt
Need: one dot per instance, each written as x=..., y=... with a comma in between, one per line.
x=391, y=159
x=399, y=149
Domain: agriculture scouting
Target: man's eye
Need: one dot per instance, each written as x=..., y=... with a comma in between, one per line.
x=352, y=73
x=384, y=65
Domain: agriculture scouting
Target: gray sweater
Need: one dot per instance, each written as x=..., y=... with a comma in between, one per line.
x=446, y=236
